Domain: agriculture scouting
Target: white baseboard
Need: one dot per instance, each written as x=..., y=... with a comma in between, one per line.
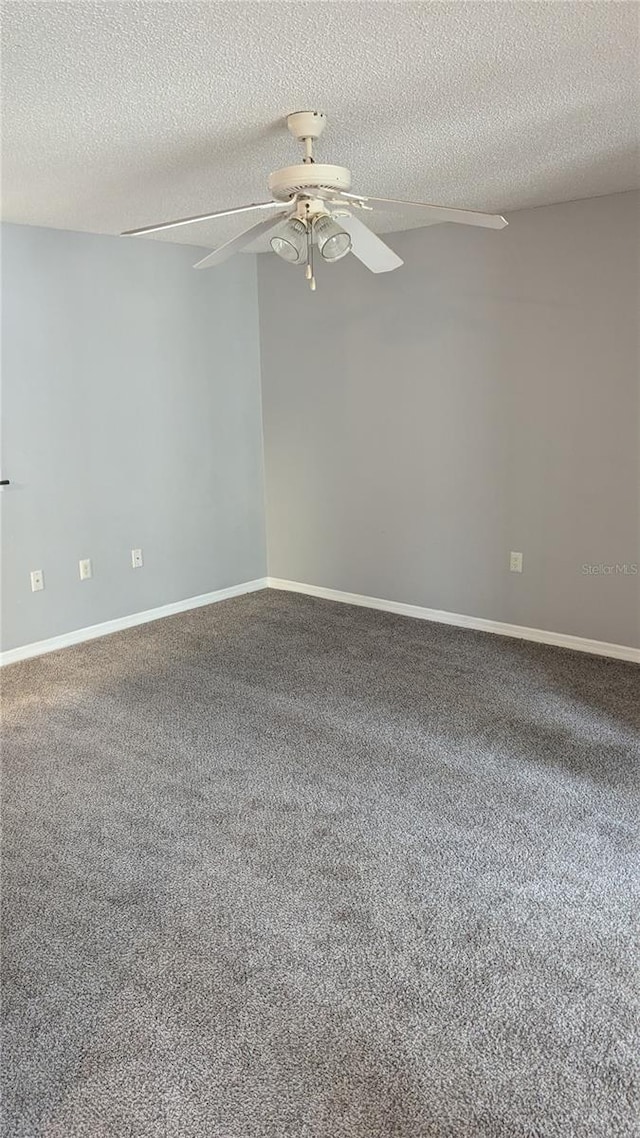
x=538, y=635
x=39, y=647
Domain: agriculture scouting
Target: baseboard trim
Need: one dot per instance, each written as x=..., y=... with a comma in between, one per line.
x=519, y=632
x=93, y=631
x=459, y=620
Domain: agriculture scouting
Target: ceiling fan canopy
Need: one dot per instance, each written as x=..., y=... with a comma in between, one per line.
x=312, y=206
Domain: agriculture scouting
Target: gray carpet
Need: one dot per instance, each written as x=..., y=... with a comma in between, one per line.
x=281, y=868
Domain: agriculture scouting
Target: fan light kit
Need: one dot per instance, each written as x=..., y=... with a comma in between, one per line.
x=312, y=205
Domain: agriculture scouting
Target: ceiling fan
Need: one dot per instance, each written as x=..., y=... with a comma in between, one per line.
x=312, y=205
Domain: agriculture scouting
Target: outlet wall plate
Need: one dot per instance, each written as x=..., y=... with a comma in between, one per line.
x=37, y=580
x=85, y=569
x=515, y=562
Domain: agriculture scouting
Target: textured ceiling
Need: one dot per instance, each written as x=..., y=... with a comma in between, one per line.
x=118, y=115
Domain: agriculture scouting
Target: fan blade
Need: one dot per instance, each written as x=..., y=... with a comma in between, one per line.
x=434, y=214
x=368, y=248
x=202, y=217
x=236, y=243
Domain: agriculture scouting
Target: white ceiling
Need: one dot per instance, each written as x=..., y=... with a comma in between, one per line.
x=121, y=114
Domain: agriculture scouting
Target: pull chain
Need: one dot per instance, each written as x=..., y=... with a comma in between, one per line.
x=309, y=269
x=308, y=158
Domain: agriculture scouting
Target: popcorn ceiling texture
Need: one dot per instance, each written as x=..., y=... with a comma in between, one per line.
x=123, y=114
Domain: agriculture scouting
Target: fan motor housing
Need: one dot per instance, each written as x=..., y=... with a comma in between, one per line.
x=317, y=178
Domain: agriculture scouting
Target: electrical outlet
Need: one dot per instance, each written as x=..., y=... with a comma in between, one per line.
x=85, y=569
x=136, y=559
x=515, y=562
x=37, y=580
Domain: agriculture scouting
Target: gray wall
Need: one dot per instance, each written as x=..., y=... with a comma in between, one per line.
x=130, y=418
x=484, y=398
x=417, y=425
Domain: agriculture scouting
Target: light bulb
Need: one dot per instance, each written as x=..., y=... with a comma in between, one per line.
x=290, y=240
x=333, y=242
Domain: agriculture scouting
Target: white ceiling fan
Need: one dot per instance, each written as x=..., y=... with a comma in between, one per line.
x=312, y=205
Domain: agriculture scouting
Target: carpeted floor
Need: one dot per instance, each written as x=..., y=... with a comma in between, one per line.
x=282, y=868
